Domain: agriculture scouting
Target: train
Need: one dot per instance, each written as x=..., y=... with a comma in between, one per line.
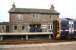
x=68, y=28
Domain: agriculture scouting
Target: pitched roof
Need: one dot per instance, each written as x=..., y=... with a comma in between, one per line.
x=31, y=10
x=4, y=23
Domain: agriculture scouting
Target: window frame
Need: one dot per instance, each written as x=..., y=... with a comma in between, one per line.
x=15, y=27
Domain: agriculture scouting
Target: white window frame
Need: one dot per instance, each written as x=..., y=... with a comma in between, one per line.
x=35, y=17
x=19, y=17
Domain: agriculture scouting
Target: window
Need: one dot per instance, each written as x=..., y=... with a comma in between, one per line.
x=48, y=27
x=51, y=27
x=15, y=27
x=19, y=17
x=23, y=27
x=44, y=28
x=35, y=16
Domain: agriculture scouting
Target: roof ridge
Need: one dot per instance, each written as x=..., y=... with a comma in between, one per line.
x=33, y=10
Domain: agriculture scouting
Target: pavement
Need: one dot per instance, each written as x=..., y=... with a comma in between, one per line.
x=45, y=46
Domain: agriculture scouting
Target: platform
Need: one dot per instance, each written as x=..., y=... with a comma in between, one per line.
x=26, y=33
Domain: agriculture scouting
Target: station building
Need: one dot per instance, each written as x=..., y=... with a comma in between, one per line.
x=28, y=23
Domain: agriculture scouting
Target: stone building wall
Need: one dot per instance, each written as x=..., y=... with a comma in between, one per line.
x=24, y=20
x=20, y=20
x=2, y=28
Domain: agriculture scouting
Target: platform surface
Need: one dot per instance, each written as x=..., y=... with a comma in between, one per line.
x=26, y=33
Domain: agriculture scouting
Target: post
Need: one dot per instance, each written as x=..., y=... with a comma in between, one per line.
x=28, y=28
x=22, y=38
x=49, y=36
x=1, y=37
x=26, y=37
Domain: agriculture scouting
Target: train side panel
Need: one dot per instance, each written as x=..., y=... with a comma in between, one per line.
x=74, y=28
x=64, y=28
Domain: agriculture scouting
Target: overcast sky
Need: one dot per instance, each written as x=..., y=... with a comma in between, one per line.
x=66, y=8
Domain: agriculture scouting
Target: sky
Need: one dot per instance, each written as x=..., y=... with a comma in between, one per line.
x=66, y=8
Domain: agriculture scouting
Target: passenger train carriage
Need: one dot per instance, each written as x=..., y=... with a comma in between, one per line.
x=68, y=28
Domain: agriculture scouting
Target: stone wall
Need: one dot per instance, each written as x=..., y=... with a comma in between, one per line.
x=2, y=28
x=24, y=20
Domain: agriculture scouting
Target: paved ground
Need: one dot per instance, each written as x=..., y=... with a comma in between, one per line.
x=45, y=46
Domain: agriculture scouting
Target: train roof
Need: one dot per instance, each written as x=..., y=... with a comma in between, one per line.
x=68, y=19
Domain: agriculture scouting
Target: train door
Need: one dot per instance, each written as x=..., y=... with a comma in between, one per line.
x=71, y=29
x=64, y=28
x=74, y=28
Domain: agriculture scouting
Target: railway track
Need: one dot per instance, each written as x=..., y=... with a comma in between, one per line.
x=9, y=42
x=23, y=41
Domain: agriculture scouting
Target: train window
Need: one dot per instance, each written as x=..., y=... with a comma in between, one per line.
x=71, y=25
x=65, y=24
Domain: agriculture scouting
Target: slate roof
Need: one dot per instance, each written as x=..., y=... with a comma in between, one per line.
x=31, y=10
x=4, y=23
